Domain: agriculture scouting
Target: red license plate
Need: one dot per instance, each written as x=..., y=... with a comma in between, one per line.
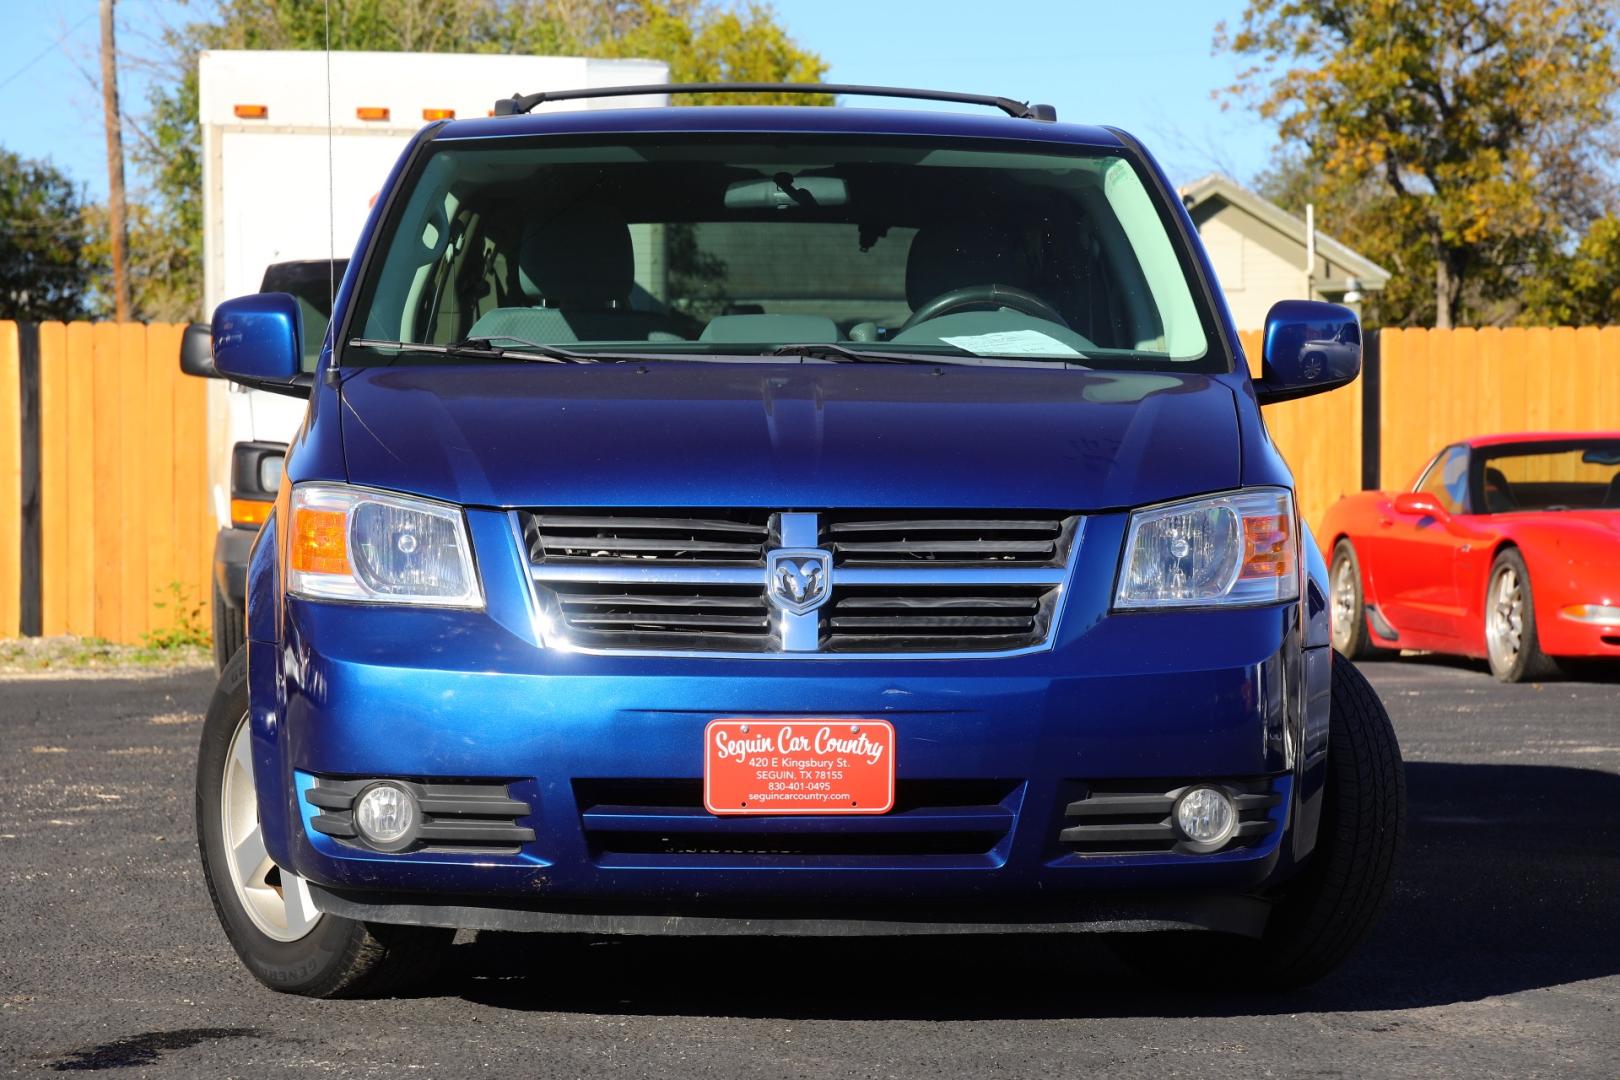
x=798, y=766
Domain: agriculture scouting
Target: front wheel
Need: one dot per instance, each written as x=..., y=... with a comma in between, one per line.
x=1511, y=641
x=266, y=912
x=1321, y=915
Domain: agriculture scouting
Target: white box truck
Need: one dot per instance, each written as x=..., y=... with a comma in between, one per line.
x=294, y=147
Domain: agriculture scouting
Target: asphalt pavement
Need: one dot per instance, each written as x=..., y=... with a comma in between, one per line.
x=1500, y=955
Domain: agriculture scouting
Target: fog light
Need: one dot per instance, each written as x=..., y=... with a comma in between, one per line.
x=1206, y=816
x=385, y=814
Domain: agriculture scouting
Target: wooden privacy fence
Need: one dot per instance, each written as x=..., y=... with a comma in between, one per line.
x=1439, y=386
x=110, y=515
x=104, y=486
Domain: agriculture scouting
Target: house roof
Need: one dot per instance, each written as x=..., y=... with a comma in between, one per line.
x=1369, y=274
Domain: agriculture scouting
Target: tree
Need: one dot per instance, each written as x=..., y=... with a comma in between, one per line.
x=44, y=272
x=1466, y=136
x=702, y=41
x=1584, y=288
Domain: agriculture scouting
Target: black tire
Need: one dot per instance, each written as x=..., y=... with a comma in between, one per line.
x=338, y=957
x=1527, y=662
x=230, y=630
x=1320, y=915
x=1350, y=636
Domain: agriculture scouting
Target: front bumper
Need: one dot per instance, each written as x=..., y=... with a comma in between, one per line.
x=1169, y=697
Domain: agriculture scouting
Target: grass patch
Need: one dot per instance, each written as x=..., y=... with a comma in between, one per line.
x=69, y=653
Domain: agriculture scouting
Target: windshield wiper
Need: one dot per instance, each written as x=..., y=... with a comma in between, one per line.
x=484, y=348
x=843, y=354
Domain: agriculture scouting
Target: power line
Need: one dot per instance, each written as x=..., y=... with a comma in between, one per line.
x=15, y=75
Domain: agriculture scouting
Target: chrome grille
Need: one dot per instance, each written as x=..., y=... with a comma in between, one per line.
x=747, y=582
x=952, y=538
x=664, y=616
x=690, y=537
x=956, y=619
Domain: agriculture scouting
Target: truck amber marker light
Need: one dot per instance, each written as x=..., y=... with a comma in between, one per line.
x=438, y=114
x=252, y=112
x=250, y=512
x=371, y=112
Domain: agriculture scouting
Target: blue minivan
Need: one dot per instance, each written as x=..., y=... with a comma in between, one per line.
x=801, y=521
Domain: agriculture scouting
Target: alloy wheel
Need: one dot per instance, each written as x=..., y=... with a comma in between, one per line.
x=278, y=902
x=1504, y=619
x=1344, y=603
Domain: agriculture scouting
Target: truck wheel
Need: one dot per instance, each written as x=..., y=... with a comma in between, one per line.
x=1349, y=605
x=1320, y=915
x=266, y=913
x=230, y=630
x=1510, y=623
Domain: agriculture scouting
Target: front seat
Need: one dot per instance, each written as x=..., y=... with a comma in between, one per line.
x=1499, y=497
x=1611, y=497
x=948, y=256
x=578, y=271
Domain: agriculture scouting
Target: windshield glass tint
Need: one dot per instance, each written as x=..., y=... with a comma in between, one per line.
x=1548, y=476
x=723, y=245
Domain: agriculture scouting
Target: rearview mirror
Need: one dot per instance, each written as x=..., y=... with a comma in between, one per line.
x=197, y=352
x=259, y=342
x=785, y=191
x=1310, y=347
x=1421, y=504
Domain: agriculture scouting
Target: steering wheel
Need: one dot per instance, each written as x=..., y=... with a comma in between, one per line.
x=972, y=296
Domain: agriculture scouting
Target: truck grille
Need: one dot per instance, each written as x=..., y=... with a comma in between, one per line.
x=799, y=583
x=663, y=822
x=1137, y=817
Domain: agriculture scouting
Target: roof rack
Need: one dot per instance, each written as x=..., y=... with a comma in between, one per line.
x=518, y=104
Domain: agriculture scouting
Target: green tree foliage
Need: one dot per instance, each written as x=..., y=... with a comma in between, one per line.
x=1459, y=142
x=46, y=265
x=702, y=41
x=1582, y=289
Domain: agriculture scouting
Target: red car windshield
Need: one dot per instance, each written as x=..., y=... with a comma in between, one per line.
x=1578, y=475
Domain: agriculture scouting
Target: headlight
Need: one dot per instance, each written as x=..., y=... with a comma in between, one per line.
x=352, y=544
x=1236, y=549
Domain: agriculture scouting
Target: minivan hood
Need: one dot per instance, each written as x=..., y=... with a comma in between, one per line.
x=683, y=434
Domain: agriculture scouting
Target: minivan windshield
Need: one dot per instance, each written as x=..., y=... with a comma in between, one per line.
x=847, y=248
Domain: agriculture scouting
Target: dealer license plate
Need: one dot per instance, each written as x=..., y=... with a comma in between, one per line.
x=798, y=766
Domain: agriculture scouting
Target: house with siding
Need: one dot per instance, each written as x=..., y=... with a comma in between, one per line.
x=1258, y=251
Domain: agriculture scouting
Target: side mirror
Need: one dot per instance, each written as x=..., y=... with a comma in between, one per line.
x=259, y=342
x=197, y=352
x=1310, y=347
x=1421, y=504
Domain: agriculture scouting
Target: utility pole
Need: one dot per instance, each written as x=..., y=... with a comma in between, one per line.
x=116, y=226
x=1310, y=251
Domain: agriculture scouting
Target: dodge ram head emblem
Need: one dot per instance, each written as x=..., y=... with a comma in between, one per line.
x=797, y=579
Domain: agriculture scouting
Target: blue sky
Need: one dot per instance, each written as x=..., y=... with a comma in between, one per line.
x=1143, y=66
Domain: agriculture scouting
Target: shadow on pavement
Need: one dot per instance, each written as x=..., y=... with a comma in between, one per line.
x=1509, y=882
x=1598, y=671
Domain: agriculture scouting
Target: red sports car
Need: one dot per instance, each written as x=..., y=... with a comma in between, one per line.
x=1506, y=547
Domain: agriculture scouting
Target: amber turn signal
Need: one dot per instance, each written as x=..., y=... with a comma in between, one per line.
x=1267, y=551
x=320, y=541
